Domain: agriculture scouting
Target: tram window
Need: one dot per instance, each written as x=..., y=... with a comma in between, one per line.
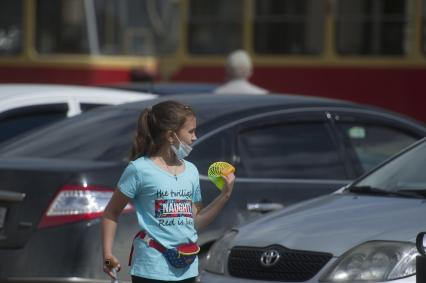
x=61, y=27
x=135, y=27
x=424, y=26
x=10, y=27
x=373, y=27
x=215, y=27
x=288, y=26
x=111, y=27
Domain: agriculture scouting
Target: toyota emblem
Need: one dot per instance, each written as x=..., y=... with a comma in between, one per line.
x=269, y=258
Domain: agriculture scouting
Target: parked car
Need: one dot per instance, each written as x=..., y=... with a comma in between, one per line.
x=365, y=232
x=56, y=181
x=24, y=107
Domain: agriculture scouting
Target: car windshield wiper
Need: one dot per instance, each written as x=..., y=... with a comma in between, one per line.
x=377, y=191
x=413, y=193
x=368, y=190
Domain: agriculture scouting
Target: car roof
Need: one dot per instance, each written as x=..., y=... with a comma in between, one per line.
x=224, y=108
x=229, y=104
x=168, y=88
x=18, y=95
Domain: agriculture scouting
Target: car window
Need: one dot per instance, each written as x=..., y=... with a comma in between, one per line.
x=89, y=106
x=18, y=121
x=372, y=143
x=214, y=148
x=294, y=150
x=96, y=135
x=401, y=173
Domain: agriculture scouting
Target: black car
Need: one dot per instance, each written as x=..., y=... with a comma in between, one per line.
x=54, y=183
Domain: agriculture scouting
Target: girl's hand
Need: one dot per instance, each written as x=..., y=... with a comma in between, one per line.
x=229, y=184
x=110, y=263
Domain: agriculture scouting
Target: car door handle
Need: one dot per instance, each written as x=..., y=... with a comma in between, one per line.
x=264, y=207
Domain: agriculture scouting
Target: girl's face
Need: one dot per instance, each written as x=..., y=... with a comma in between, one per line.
x=187, y=133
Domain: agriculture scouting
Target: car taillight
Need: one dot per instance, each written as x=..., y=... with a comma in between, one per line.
x=76, y=203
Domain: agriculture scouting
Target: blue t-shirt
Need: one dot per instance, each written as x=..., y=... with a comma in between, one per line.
x=163, y=204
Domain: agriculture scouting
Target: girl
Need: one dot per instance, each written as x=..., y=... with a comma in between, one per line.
x=165, y=191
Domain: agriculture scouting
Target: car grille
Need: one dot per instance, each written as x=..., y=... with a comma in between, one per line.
x=292, y=265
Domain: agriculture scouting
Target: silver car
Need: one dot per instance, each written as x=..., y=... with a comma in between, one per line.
x=364, y=232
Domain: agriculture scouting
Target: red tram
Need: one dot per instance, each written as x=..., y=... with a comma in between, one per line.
x=369, y=51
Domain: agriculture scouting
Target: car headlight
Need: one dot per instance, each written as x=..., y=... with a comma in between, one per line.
x=216, y=257
x=374, y=261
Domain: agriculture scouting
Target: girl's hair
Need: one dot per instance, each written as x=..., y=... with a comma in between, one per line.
x=153, y=124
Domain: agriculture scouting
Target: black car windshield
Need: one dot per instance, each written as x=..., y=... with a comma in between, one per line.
x=402, y=175
x=98, y=135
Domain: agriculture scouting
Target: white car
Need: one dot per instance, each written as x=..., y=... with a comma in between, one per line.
x=24, y=107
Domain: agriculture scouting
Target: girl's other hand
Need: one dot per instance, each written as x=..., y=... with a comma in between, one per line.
x=110, y=263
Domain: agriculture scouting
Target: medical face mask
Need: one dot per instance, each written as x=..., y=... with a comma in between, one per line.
x=183, y=150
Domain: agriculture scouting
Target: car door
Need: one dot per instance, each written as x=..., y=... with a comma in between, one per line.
x=291, y=157
x=371, y=138
x=280, y=158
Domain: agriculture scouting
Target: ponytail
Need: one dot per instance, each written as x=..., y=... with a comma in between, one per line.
x=142, y=142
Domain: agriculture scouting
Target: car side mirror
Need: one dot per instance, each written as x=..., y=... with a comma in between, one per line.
x=421, y=259
x=421, y=243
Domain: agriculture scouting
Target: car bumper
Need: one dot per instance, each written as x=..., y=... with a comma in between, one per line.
x=207, y=277
x=67, y=253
